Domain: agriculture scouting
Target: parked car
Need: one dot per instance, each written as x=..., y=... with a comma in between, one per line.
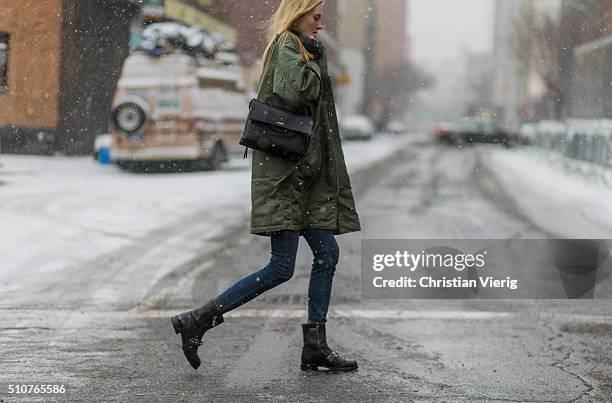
x=177, y=112
x=357, y=127
x=528, y=133
x=441, y=131
x=472, y=131
x=396, y=127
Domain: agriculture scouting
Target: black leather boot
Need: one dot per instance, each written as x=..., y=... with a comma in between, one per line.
x=192, y=325
x=316, y=353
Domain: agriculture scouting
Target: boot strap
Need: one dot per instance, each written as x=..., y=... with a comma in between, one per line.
x=195, y=342
x=333, y=356
x=216, y=320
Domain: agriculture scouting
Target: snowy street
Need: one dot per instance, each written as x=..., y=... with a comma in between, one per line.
x=462, y=149
x=83, y=210
x=95, y=260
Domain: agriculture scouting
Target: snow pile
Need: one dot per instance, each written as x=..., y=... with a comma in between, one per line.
x=58, y=212
x=166, y=37
x=563, y=203
x=551, y=127
x=591, y=127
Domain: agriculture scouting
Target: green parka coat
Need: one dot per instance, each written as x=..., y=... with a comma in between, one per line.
x=314, y=192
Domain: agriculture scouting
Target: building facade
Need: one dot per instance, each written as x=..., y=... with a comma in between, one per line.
x=249, y=17
x=242, y=22
x=391, y=60
x=538, y=40
x=586, y=59
x=386, y=54
x=353, y=41
x=553, y=60
x=29, y=96
x=507, y=87
x=60, y=61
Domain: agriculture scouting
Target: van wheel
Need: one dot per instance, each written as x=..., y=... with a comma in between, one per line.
x=217, y=158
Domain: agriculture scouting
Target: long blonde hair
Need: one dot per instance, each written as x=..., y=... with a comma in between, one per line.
x=283, y=20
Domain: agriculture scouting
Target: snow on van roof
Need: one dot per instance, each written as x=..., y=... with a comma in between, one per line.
x=170, y=36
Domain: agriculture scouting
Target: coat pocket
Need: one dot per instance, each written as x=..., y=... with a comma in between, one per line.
x=267, y=203
x=267, y=166
x=274, y=204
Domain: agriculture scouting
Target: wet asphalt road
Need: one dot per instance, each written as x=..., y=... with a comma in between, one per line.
x=106, y=335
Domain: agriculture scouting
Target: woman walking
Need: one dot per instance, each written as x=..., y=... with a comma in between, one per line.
x=310, y=198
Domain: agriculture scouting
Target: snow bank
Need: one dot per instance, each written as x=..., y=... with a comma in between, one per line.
x=63, y=211
x=564, y=203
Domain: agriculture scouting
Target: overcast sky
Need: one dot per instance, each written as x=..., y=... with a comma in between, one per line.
x=439, y=29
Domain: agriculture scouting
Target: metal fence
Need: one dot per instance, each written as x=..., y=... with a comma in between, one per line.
x=580, y=146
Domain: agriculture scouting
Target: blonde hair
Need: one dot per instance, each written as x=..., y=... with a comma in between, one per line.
x=283, y=20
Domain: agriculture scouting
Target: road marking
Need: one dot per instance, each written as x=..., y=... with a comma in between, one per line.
x=369, y=314
x=29, y=314
x=386, y=314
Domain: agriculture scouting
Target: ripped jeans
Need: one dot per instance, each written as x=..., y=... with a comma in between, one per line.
x=281, y=268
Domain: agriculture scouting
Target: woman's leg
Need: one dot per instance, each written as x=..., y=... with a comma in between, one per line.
x=316, y=353
x=284, y=245
x=325, y=257
x=193, y=324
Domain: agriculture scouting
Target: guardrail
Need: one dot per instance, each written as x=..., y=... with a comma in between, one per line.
x=580, y=146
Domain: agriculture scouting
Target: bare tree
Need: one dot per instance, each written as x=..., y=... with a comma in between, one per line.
x=538, y=47
x=397, y=85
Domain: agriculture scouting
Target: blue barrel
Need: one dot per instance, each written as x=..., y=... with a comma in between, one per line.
x=104, y=156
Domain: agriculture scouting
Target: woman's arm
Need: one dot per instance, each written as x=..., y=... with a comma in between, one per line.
x=296, y=81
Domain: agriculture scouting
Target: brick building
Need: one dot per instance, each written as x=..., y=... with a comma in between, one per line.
x=391, y=38
x=248, y=18
x=59, y=64
x=353, y=44
x=29, y=95
x=386, y=54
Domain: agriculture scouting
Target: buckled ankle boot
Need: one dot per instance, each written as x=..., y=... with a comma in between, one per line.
x=192, y=325
x=316, y=353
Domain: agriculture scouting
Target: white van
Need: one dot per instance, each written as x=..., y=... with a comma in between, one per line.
x=177, y=111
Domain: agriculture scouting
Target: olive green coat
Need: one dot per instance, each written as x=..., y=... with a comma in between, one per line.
x=314, y=192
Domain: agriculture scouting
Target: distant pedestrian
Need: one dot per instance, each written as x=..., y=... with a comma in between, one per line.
x=311, y=197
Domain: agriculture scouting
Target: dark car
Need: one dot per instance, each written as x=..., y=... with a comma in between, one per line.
x=472, y=132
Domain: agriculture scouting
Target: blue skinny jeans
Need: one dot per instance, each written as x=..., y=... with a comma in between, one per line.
x=281, y=268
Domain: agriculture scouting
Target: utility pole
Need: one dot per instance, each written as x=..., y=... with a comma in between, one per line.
x=96, y=37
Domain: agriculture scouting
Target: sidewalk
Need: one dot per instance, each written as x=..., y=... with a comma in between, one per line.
x=562, y=203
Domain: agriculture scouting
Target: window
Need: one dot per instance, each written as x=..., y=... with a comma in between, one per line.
x=4, y=48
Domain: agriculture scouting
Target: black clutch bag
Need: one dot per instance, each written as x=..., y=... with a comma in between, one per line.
x=276, y=131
